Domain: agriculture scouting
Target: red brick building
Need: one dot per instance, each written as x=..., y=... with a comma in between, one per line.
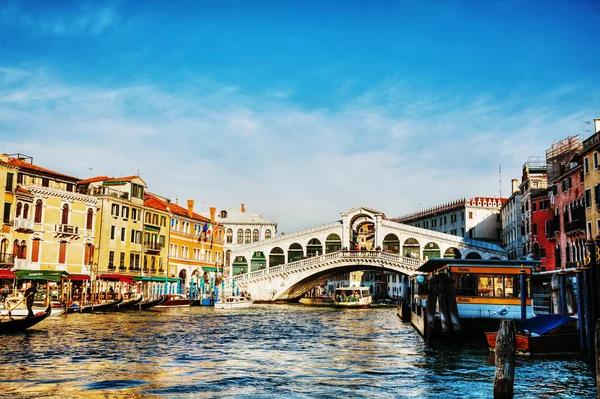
x=542, y=247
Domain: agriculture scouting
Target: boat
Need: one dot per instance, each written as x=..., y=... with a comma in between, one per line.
x=12, y=324
x=98, y=307
x=129, y=303
x=543, y=335
x=57, y=308
x=352, y=297
x=233, y=302
x=150, y=304
x=468, y=297
x=174, y=300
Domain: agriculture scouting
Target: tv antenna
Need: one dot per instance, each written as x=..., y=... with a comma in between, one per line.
x=500, y=179
x=586, y=129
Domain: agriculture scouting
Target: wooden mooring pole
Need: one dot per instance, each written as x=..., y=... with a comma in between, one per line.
x=597, y=340
x=505, y=360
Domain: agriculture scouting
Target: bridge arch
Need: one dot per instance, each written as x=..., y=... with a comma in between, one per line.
x=391, y=244
x=431, y=251
x=333, y=243
x=295, y=252
x=452, y=253
x=314, y=247
x=239, y=265
x=276, y=257
x=411, y=248
x=473, y=255
x=258, y=261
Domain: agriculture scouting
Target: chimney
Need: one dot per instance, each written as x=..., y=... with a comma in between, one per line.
x=4, y=157
x=596, y=125
x=515, y=185
x=212, y=214
x=243, y=208
x=190, y=207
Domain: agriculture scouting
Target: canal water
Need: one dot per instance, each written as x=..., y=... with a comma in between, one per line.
x=266, y=351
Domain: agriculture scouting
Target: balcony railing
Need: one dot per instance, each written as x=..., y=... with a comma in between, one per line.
x=23, y=225
x=22, y=264
x=553, y=227
x=98, y=191
x=66, y=229
x=152, y=246
x=7, y=259
x=575, y=226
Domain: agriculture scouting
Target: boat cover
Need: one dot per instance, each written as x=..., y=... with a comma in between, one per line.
x=544, y=324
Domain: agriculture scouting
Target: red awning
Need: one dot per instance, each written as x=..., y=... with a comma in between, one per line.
x=5, y=273
x=115, y=277
x=79, y=277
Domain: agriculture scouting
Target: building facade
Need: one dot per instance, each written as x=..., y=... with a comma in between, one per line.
x=511, y=216
x=533, y=182
x=591, y=181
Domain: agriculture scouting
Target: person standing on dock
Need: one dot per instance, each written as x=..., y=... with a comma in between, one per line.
x=30, y=296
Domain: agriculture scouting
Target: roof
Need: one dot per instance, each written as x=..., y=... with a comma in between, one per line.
x=434, y=264
x=24, y=165
x=235, y=216
x=181, y=211
x=154, y=202
x=93, y=179
x=107, y=179
x=22, y=190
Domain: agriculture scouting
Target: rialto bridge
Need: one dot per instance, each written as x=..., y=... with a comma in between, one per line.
x=287, y=266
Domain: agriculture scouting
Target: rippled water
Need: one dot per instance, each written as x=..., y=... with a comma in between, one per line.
x=267, y=351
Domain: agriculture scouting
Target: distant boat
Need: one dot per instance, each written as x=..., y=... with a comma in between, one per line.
x=146, y=305
x=352, y=297
x=98, y=307
x=174, y=300
x=11, y=324
x=233, y=302
x=129, y=303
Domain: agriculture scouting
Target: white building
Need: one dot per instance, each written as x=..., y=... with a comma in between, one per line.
x=476, y=218
x=512, y=219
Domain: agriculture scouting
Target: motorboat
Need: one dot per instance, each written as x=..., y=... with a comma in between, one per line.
x=233, y=302
x=174, y=300
x=352, y=297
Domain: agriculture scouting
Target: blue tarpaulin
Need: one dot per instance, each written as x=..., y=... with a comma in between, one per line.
x=544, y=324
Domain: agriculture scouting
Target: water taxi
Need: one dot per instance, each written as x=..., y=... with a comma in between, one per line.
x=468, y=297
x=233, y=302
x=352, y=297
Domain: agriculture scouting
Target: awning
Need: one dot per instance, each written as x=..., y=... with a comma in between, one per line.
x=79, y=277
x=214, y=269
x=49, y=275
x=5, y=273
x=156, y=279
x=115, y=277
x=434, y=264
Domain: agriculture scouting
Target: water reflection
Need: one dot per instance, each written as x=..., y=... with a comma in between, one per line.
x=267, y=351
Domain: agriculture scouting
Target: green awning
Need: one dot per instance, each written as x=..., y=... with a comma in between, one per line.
x=211, y=269
x=48, y=275
x=151, y=228
x=157, y=279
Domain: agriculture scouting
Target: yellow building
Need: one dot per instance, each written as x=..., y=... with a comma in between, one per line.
x=52, y=224
x=132, y=237
x=8, y=190
x=591, y=181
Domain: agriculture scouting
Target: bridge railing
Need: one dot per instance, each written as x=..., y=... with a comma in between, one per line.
x=315, y=260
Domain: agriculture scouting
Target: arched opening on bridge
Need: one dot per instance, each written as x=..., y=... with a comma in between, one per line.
x=473, y=255
x=314, y=248
x=333, y=243
x=391, y=244
x=452, y=253
x=366, y=235
x=494, y=258
x=258, y=261
x=431, y=251
x=182, y=283
x=276, y=257
x=411, y=248
x=295, y=252
x=240, y=265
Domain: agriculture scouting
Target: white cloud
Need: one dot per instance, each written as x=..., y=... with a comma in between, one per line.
x=390, y=150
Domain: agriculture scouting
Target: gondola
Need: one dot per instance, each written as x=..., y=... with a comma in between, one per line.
x=128, y=304
x=13, y=325
x=100, y=307
x=150, y=304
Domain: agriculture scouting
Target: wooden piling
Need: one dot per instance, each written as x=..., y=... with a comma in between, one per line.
x=444, y=281
x=505, y=360
x=597, y=340
x=432, y=295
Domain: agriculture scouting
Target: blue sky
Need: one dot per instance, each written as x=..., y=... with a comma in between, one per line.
x=300, y=110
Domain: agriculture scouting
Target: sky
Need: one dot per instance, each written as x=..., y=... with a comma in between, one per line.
x=298, y=109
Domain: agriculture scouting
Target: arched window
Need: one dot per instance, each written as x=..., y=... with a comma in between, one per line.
x=65, y=214
x=4, y=246
x=16, y=249
x=248, y=236
x=19, y=209
x=26, y=211
x=267, y=234
x=89, y=219
x=255, y=235
x=229, y=236
x=23, y=254
x=240, y=236
x=38, y=211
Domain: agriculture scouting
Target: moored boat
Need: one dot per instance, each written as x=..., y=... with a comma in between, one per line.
x=352, y=297
x=150, y=304
x=129, y=303
x=12, y=324
x=98, y=307
x=543, y=335
x=174, y=300
x=233, y=302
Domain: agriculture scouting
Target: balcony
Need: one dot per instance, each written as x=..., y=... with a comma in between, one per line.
x=66, y=230
x=553, y=227
x=152, y=247
x=7, y=259
x=575, y=227
x=23, y=225
x=23, y=264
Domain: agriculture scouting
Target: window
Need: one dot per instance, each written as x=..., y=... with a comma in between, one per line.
x=125, y=212
x=19, y=209
x=240, y=236
x=229, y=236
x=35, y=251
x=248, y=236
x=134, y=213
x=122, y=260
x=123, y=233
x=65, y=214
x=89, y=254
x=148, y=217
x=6, y=218
x=62, y=252
x=533, y=206
x=534, y=229
x=70, y=187
x=19, y=178
x=267, y=233
x=155, y=219
x=470, y=215
x=255, y=235
x=112, y=232
x=38, y=211
x=111, y=259
x=45, y=182
x=9, y=181
x=595, y=160
x=589, y=229
x=163, y=221
x=89, y=219
x=114, y=211
x=586, y=165
x=588, y=197
x=131, y=262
